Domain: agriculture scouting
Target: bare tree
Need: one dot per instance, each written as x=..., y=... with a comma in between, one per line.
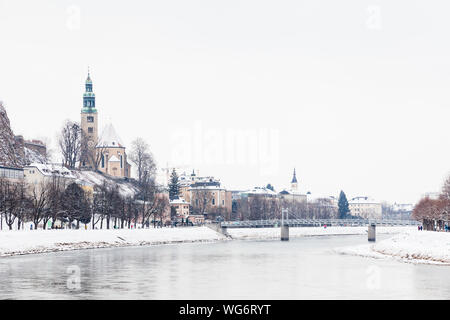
x=99, y=204
x=39, y=200
x=257, y=204
x=152, y=202
x=160, y=209
x=428, y=211
x=133, y=208
x=69, y=142
x=242, y=209
x=143, y=159
x=12, y=201
x=107, y=196
x=434, y=213
x=259, y=207
x=56, y=200
x=2, y=199
x=201, y=200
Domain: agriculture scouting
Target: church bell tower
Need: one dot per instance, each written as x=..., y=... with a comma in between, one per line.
x=89, y=126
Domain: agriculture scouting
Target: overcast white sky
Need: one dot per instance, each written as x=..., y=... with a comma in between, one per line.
x=353, y=94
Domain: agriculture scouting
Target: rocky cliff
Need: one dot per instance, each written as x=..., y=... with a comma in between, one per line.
x=13, y=152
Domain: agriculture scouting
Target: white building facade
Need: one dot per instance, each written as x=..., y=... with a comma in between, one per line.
x=365, y=207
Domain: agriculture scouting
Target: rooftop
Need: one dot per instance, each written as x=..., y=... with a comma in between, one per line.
x=179, y=201
x=110, y=138
x=261, y=191
x=363, y=200
x=52, y=170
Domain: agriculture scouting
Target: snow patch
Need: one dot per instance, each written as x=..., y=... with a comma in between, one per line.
x=41, y=241
x=409, y=246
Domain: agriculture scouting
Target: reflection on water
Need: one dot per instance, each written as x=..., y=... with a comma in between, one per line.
x=304, y=268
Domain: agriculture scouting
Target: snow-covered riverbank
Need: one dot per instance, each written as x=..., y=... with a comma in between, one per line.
x=40, y=241
x=409, y=246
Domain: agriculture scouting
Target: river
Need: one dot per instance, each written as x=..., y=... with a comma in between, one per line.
x=302, y=268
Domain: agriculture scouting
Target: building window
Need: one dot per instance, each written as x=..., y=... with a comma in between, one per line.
x=103, y=161
x=213, y=201
x=90, y=130
x=90, y=119
x=121, y=161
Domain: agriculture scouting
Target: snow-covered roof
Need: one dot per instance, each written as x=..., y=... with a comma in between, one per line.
x=363, y=200
x=314, y=197
x=402, y=207
x=194, y=215
x=292, y=192
x=110, y=138
x=178, y=201
x=215, y=187
x=52, y=170
x=261, y=191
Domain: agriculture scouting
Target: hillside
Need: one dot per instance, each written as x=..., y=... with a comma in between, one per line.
x=10, y=155
x=13, y=152
x=126, y=188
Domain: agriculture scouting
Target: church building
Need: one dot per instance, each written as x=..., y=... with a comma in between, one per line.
x=293, y=194
x=105, y=153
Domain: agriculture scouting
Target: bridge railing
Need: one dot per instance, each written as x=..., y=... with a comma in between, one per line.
x=317, y=222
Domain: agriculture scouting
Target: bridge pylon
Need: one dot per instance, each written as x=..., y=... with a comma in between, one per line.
x=284, y=225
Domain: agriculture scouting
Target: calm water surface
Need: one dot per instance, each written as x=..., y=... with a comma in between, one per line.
x=303, y=268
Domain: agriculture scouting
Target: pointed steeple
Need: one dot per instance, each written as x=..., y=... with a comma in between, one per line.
x=88, y=82
x=294, y=178
x=294, y=185
x=88, y=96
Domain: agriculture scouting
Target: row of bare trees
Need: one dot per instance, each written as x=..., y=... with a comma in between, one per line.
x=40, y=203
x=266, y=208
x=54, y=201
x=109, y=209
x=434, y=213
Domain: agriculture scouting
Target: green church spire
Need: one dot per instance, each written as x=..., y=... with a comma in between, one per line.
x=88, y=96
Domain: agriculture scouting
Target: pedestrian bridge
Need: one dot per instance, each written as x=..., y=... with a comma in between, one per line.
x=273, y=223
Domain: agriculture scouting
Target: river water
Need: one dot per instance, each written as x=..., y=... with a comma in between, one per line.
x=302, y=268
